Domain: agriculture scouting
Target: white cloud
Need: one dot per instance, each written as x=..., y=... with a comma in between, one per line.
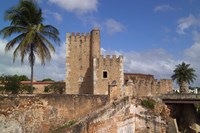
x=158, y=62
x=193, y=51
x=192, y=54
x=112, y=26
x=54, y=69
x=186, y=23
x=95, y=22
x=55, y=15
x=103, y=50
x=163, y=8
x=77, y=6
x=109, y=26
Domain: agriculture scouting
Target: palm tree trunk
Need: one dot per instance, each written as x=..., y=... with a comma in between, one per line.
x=31, y=63
x=184, y=87
x=31, y=91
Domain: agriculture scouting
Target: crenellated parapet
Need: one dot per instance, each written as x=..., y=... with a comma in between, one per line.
x=148, y=86
x=77, y=38
x=109, y=60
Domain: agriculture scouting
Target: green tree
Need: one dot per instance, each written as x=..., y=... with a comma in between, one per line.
x=184, y=75
x=21, y=77
x=47, y=79
x=11, y=84
x=32, y=36
x=57, y=87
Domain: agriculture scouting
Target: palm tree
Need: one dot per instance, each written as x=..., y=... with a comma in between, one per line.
x=184, y=75
x=32, y=37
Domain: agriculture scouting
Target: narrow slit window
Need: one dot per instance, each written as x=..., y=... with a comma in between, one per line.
x=105, y=74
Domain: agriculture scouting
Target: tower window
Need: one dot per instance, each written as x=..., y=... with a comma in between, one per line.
x=105, y=74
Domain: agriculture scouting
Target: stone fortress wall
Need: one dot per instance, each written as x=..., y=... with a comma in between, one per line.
x=140, y=85
x=112, y=66
x=146, y=85
x=79, y=71
x=89, y=72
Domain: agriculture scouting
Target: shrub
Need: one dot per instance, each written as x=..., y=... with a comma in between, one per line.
x=57, y=87
x=11, y=84
x=26, y=88
x=148, y=103
x=47, y=79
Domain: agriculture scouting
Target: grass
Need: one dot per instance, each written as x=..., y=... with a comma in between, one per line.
x=65, y=126
x=148, y=103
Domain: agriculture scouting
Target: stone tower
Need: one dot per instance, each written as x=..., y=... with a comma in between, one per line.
x=95, y=43
x=88, y=72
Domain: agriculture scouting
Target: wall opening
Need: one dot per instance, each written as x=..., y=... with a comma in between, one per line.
x=105, y=74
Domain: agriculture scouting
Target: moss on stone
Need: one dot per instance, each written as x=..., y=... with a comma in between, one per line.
x=65, y=126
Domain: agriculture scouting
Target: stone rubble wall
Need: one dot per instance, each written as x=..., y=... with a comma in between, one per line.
x=85, y=65
x=123, y=116
x=113, y=67
x=78, y=67
x=40, y=113
x=148, y=87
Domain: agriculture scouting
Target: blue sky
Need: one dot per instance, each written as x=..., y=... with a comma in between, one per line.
x=153, y=35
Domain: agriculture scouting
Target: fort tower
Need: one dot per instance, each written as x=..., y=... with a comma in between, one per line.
x=89, y=72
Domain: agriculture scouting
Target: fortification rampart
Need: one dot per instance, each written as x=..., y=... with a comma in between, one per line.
x=146, y=84
x=140, y=86
x=78, y=66
x=40, y=113
x=77, y=37
x=88, y=72
x=106, y=70
x=109, y=60
x=148, y=87
x=137, y=76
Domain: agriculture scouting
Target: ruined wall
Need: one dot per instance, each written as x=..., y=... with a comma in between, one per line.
x=146, y=85
x=124, y=116
x=137, y=76
x=165, y=86
x=79, y=71
x=113, y=66
x=40, y=113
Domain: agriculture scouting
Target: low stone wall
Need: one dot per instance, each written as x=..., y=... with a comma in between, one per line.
x=40, y=113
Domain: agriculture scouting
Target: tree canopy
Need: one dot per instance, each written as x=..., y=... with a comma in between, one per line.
x=183, y=74
x=32, y=37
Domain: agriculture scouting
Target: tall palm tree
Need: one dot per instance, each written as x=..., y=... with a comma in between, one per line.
x=32, y=37
x=184, y=75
